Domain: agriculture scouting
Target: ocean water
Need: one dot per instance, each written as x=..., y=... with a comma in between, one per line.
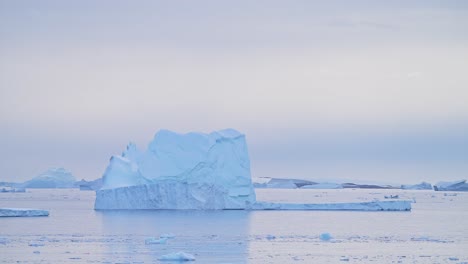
x=435, y=231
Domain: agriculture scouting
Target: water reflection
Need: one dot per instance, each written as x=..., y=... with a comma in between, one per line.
x=209, y=235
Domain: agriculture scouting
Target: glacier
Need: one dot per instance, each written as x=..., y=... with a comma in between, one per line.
x=198, y=171
x=52, y=178
x=180, y=171
x=22, y=212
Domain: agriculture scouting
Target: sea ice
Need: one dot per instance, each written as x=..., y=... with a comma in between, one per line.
x=52, y=178
x=180, y=171
x=22, y=212
x=179, y=256
x=363, y=206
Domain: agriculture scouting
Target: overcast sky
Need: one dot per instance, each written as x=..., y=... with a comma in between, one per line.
x=367, y=90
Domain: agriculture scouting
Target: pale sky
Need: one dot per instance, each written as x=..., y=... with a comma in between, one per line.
x=366, y=90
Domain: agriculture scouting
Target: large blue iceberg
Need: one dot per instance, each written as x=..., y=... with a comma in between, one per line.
x=180, y=171
x=196, y=171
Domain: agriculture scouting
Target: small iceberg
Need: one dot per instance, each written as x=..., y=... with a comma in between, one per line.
x=325, y=237
x=22, y=212
x=152, y=241
x=179, y=256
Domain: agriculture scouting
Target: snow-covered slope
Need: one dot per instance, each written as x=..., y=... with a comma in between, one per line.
x=180, y=171
x=52, y=178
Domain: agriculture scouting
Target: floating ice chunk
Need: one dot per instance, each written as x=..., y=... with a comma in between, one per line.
x=363, y=206
x=179, y=256
x=152, y=241
x=36, y=252
x=22, y=212
x=325, y=237
x=391, y=196
x=3, y=240
x=323, y=186
x=167, y=236
x=270, y=237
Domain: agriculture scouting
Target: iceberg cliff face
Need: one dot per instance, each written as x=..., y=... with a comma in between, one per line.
x=180, y=171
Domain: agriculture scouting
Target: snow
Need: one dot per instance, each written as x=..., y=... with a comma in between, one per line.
x=180, y=171
x=22, y=212
x=421, y=186
x=362, y=206
x=460, y=186
x=52, y=178
x=179, y=256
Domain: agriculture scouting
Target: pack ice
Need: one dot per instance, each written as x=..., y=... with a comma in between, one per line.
x=180, y=171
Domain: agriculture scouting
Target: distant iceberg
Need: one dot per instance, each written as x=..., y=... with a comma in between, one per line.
x=421, y=186
x=278, y=183
x=52, y=178
x=460, y=186
x=324, y=185
x=180, y=171
x=22, y=212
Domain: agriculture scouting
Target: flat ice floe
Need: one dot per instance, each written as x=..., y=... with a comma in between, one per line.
x=22, y=212
x=363, y=206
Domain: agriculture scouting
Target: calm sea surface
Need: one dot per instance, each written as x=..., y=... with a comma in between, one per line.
x=435, y=231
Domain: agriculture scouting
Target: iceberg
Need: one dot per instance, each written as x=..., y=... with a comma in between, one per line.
x=179, y=256
x=325, y=185
x=198, y=171
x=363, y=206
x=460, y=186
x=52, y=178
x=180, y=171
x=421, y=186
x=22, y=212
x=278, y=183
